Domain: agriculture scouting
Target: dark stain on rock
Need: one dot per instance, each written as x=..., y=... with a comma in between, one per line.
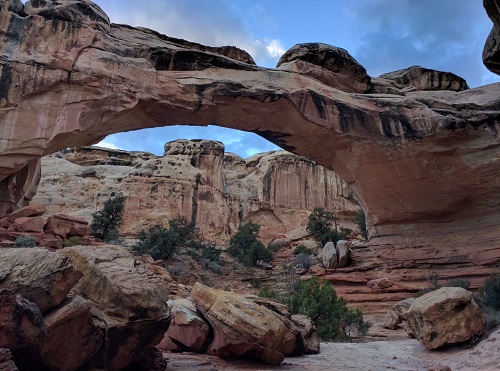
x=319, y=103
x=5, y=81
x=267, y=181
x=189, y=60
x=194, y=206
x=161, y=59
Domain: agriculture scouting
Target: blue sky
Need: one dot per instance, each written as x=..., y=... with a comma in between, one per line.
x=383, y=35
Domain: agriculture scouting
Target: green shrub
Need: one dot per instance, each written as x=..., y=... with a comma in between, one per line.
x=106, y=222
x=245, y=246
x=303, y=249
x=488, y=296
x=267, y=292
x=72, y=241
x=458, y=282
x=433, y=280
x=255, y=282
x=333, y=320
x=25, y=241
x=211, y=252
x=319, y=225
x=361, y=222
x=162, y=243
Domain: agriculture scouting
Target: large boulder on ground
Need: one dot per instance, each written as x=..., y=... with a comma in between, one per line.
x=33, y=209
x=448, y=315
x=243, y=328
x=129, y=302
x=41, y=276
x=308, y=333
x=73, y=337
x=187, y=330
x=397, y=313
x=329, y=256
x=21, y=322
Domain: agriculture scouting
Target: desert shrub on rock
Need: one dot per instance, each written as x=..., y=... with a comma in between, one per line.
x=25, y=241
x=163, y=242
x=303, y=249
x=107, y=221
x=320, y=223
x=333, y=320
x=488, y=296
x=361, y=222
x=246, y=247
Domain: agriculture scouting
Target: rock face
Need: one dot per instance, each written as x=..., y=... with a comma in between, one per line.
x=448, y=315
x=491, y=52
x=253, y=327
x=199, y=180
x=417, y=144
x=114, y=315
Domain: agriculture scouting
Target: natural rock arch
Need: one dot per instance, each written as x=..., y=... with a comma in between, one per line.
x=418, y=149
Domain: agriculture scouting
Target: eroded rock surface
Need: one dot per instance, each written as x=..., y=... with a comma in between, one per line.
x=445, y=316
x=197, y=179
x=67, y=76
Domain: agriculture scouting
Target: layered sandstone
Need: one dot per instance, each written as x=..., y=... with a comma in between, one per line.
x=198, y=180
x=69, y=78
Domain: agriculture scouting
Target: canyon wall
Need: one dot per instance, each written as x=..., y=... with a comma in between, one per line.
x=419, y=150
x=198, y=180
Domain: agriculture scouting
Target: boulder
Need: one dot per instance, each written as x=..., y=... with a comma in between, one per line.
x=331, y=65
x=397, y=313
x=33, y=209
x=380, y=283
x=6, y=362
x=307, y=332
x=41, y=276
x=66, y=226
x=242, y=327
x=73, y=335
x=187, y=330
x=445, y=316
x=29, y=224
x=343, y=249
x=21, y=322
x=329, y=256
x=129, y=302
x=318, y=270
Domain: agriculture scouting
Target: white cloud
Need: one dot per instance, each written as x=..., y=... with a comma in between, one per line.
x=274, y=48
x=106, y=144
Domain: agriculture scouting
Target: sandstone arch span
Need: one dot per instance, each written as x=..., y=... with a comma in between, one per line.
x=418, y=148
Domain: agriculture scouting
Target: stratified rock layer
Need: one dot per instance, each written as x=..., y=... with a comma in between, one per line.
x=198, y=180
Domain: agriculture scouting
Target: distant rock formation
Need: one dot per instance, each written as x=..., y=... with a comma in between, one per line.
x=196, y=179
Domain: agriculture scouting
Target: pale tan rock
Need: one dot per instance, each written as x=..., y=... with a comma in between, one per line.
x=269, y=191
x=21, y=322
x=41, y=276
x=380, y=283
x=129, y=302
x=329, y=256
x=242, y=327
x=448, y=315
x=397, y=313
x=308, y=333
x=187, y=328
x=318, y=270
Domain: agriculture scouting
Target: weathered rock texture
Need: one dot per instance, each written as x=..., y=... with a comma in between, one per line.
x=114, y=314
x=422, y=163
x=68, y=77
x=491, y=52
x=448, y=315
x=253, y=327
x=198, y=180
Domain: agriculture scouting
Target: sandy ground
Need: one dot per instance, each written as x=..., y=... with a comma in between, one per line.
x=375, y=355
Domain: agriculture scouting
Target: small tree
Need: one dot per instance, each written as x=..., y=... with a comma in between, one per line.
x=333, y=320
x=162, y=243
x=245, y=246
x=106, y=222
x=361, y=222
x=320, y=224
